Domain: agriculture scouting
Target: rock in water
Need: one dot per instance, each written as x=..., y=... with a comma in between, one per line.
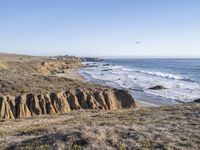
x=91, y=59
x=197, y=100
x=158, y=87
x=106, y=64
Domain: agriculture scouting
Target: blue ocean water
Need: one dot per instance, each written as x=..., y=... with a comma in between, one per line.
x=181, y=77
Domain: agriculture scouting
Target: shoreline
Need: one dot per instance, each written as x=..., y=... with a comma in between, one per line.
x=75, y=75
x=108, y=73
x=60, y=108
x=144, y=99
x=71, y=74
x=51, y=85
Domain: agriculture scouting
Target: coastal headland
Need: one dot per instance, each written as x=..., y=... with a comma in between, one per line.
x=45, y=104
x=47, y=85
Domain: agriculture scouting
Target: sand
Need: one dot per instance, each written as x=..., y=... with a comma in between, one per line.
x=71, y=74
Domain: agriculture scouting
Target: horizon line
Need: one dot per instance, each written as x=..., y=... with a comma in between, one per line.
x=110, y=56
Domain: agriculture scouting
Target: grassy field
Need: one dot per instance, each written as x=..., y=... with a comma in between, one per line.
x=168, y=127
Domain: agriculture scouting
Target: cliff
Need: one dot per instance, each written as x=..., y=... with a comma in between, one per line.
x=57, y=64
x=31, y=86
x=27, y=105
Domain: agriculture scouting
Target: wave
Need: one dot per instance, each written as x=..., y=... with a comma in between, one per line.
x=160, y=74
x=115, y=69
x=165, y=75
x=156, y=74
x=138, y=81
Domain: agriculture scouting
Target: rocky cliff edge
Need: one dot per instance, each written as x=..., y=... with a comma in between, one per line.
x=27, y=105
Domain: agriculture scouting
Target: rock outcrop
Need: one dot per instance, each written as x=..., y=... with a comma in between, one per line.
x=91, y=59
x=158, y=87
x=197, y=100
x=27, y=105
x=57, y=64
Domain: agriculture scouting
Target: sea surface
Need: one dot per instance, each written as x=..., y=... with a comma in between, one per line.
x=181, y=77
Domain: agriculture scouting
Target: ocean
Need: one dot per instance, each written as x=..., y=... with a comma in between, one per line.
x=181, y=77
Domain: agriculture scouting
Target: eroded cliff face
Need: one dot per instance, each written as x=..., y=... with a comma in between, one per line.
x=27, y=105
x=58, y=64
x=26, y=85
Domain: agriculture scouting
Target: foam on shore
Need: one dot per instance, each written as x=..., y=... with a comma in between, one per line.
x=179, y=89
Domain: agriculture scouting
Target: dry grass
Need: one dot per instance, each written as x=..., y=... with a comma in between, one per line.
x=169, y=127
x=175, y=127
x=3, y=66
x=23, y=76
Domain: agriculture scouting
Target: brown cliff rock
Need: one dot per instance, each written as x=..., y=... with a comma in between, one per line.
x=58, y=64
x=27, y=105
x=5, y=109
x=72, y=100
x=125, y=99
x=101, y=100
x=22, y=109
x=111, y=100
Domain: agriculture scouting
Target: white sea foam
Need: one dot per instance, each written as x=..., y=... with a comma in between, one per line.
x=157, y=74
x=178, y=87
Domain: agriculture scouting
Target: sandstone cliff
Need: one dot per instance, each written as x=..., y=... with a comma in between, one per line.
x=57, y=64
x=30, y=86
x=27, y=105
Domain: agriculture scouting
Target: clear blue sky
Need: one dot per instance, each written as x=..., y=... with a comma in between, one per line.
x=101, y=27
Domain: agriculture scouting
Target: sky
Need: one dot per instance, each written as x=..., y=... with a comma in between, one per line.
x=151, y=28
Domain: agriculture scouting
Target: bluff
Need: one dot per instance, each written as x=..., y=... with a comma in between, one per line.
x=27, y=105
x=31, y=86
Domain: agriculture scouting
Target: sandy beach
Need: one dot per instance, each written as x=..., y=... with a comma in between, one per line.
x=71, y=74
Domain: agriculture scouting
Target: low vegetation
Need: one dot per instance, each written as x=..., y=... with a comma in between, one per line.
x=169, y=127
